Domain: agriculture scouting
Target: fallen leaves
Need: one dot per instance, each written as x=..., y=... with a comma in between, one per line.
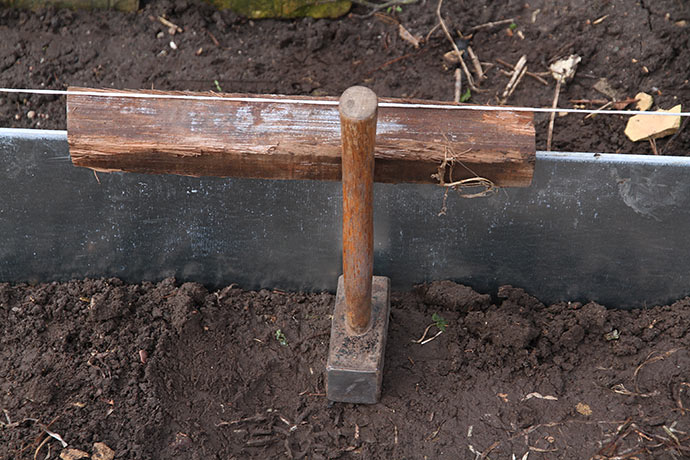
x=100, y=451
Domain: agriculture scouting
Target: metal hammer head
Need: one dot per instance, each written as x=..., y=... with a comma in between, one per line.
x=355, y=362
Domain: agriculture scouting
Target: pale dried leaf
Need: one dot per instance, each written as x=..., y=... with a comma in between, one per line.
x=73, y=454
x=539, y=396
x=408, y=37
x=583, y=409
x=564, y=69
x=102, y=452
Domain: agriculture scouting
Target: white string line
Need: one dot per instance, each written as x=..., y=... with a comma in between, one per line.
x=402, y=105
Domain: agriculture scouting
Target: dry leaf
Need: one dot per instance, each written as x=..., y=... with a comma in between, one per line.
x=539, y=396
x=73, y=454
x=408, y=37
x=451, y=57
x=583, y=409
x=102, y=452
x=564, y=69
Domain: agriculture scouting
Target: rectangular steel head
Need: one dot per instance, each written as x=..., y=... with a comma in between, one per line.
x=355, y=362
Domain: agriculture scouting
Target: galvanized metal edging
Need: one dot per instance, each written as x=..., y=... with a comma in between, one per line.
x=610, y=228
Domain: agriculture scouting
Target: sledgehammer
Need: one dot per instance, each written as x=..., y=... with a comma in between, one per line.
x=360, y=320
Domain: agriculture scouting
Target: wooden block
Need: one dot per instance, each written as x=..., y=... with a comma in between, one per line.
x=275, y=139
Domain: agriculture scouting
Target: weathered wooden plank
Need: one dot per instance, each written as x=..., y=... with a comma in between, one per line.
x=280, y=140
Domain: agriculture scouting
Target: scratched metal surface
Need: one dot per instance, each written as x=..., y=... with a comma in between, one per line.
x=609, y=228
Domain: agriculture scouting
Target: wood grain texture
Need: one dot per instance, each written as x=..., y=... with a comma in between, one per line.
x=274, y=140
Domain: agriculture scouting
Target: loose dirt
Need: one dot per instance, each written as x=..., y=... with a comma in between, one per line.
x=159, y=371
x=635, y=46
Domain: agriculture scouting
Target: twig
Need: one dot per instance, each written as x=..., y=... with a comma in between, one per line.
x=431, y=338
x=588, y=101
x=431, y=32
x=529, y=74
x=260, y=442
x=426, y=331
x=492, y=24
x=458, y=86
x=549, y=136
x=470, y=80
x=488, y=450
x=621, y=390
x=518, y=73
x=253, y=418
x=395, y=60
x=600, y=109
x=213, y=38
x=652, y=142
x=651, y=359
x=675, y=136
x=172, y=28
x=477, y=65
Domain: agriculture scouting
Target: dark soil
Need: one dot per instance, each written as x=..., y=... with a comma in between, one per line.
x=637, y=46
x=156, y=371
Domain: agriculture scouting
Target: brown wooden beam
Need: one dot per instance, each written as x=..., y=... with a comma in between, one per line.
x=278, y=140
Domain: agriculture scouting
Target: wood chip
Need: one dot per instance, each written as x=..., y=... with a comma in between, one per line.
x=643, y=127
x=644, y=101
x=102, y=452
x=73, y=454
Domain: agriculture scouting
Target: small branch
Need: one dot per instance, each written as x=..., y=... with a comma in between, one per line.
x=518, y=73
x=492, y=24
x=470, y=80
x=529, y=74
x=477, y=65
x=549, y=136
x=458, y=86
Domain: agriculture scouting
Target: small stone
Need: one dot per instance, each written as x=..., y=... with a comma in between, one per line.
x=199, y=51
x=681, y=23
x=643, y=127
x=173, y=45
x=644, y=101
x=73, y=454
x=604, y=87
x=17, y=116
x=30, y=114
x=102, y=452
x=160, y=34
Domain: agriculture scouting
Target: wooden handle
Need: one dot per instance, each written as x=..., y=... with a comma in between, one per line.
x=358, y=112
